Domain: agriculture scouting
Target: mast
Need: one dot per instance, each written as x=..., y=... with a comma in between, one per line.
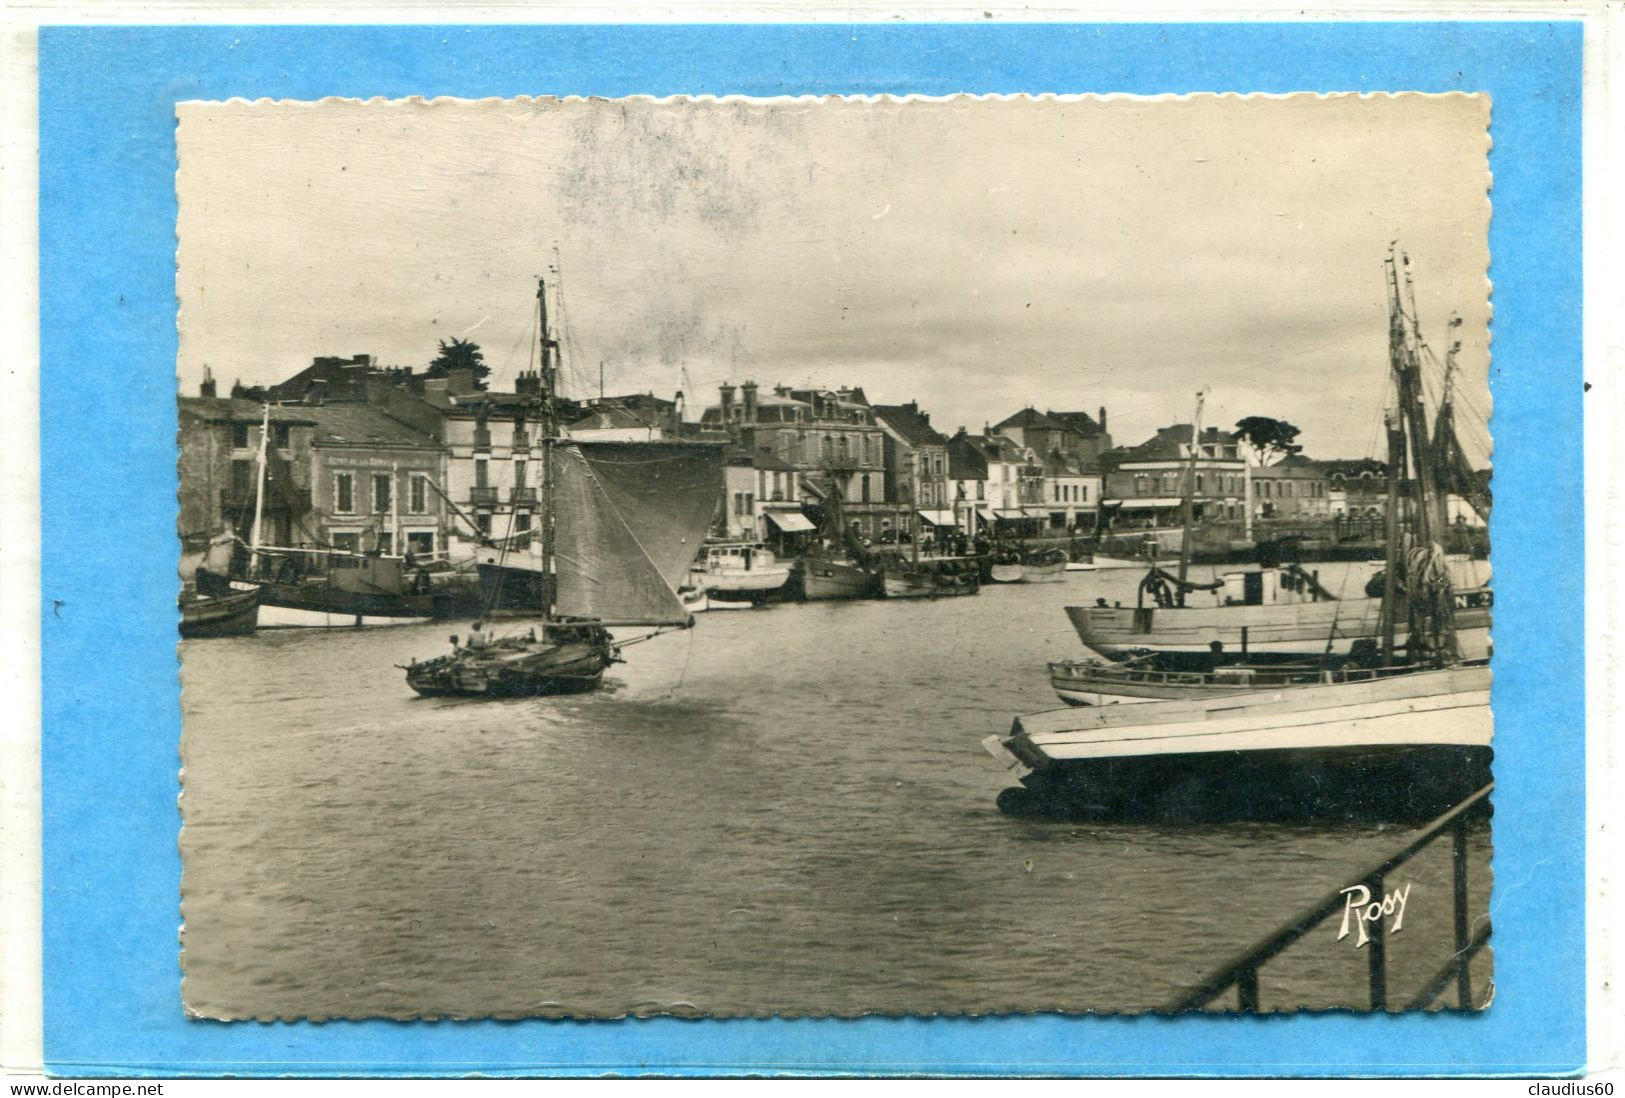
x=1187, y=505
x=259, y=495
x=1429, y=512
x=549, y=435
x=1391, y=556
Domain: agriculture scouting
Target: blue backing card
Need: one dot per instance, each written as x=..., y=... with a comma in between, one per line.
x=111, y=715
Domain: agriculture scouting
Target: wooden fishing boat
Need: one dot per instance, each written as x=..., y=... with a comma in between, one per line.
x=229, y=615
x=1400, y=745
x=1046, y=566
x=1191, y=637
x=822, y=579
x=1004, y=572
x=929, y=579
x=561, y=657
x=1097, y=682
x=612, y=555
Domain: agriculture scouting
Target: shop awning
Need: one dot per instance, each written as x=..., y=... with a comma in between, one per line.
x=1043, y=512
x=1009, y=513
x=1154, y=501
x=939, y=518
x=790, y=522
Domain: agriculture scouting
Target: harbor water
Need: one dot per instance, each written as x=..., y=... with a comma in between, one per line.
x=782, y=811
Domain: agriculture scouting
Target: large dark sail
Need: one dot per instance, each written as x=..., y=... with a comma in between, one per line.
x=631, y=517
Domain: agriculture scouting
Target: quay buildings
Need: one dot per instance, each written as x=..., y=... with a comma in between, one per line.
x=366, y=458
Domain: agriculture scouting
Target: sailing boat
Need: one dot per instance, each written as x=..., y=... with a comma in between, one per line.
x=621, y=522
x=1405, y=737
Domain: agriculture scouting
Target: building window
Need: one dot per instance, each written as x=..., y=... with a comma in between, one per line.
x=419, y=499
x=866, y=487
x=239, y=436
x=280, y=436
x=381, y=484
x=483, y=522
x=1198, y=482
x=386, y=543
x=979, y=486
x=420, y=544
x=519, y=474
x=482, y=473
x=242, y=475
x=343, y=494
x=347, y=543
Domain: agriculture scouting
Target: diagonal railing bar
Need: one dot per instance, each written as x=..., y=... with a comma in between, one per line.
x=1242, y=973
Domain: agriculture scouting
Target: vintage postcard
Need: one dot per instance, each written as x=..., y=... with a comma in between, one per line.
x=834, y=556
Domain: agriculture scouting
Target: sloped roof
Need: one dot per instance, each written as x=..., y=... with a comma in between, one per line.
x=1032, y=417
x=1167, y=441
x=1081, y=422
x=237, y=410
x=361, y=425
x=605, y=418
x=908, y=421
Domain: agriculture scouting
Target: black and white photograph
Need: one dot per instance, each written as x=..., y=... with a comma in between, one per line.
x=729, y=557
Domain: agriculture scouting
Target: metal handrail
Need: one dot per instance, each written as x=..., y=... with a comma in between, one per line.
x=1242, y=973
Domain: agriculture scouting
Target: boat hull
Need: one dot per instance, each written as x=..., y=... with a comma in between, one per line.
x=1089, y=682
x=1004, y=573
x=823, y=579
x=1185, y=637
x=324, y=603
x=736, y=586
x=496, y=673
x=230, y=615
x=1401, y=747
x=908, y=584
x=1043, y=573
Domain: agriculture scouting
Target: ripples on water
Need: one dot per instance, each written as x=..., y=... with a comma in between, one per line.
x=782, y=811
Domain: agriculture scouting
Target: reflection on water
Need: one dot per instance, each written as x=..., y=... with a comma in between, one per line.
x=781, y=811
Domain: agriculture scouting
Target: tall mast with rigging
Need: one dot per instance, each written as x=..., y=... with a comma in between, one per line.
x=549, y=436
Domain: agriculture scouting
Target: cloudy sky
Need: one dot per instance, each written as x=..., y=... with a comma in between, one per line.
x=975, y=255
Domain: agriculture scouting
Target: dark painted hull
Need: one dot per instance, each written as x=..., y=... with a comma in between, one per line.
x=530, y=670
x=1407, y=783
x=825, y=579
x=228, y=615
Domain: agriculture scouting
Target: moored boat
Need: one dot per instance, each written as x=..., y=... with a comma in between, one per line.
x=1096, y=682
x=1045, y=566
x=1397, y=746
x=229, y=615
x=739, y=571
x=946, y=577
x=822, y=579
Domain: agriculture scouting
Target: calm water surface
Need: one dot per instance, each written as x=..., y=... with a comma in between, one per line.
x=784, y=811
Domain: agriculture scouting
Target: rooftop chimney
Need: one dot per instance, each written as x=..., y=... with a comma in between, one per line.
x=1102, y=417
x=727, y=392
x=528, y=383
x=207, y=388
x=748, y=395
